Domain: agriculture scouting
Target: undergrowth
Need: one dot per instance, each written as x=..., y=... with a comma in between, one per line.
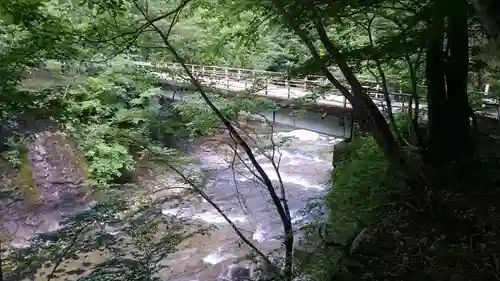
x=362, y=186
x=405, y=244
x=361, y=183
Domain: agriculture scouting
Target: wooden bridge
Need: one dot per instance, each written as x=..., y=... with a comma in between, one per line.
x=272, y=85
x=328, y=107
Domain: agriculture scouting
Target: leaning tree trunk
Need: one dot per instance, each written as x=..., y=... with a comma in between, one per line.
x=374, y=121
x=487, y=12
x=367, y=114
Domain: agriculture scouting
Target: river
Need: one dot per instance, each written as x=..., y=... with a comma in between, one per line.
x=305, y=168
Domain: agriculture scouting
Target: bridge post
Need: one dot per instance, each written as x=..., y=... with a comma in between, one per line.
x=267, y=85
x=402, y=98
x=485, y=93
x=226, y=77
x=287, y=85
x=239, y=75
x=253, y=78
x=203, y=71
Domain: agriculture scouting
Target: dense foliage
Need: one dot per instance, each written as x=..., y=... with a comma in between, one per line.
x=67, y=66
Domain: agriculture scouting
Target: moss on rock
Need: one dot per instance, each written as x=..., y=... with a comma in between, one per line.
x=71, y=147
x=25, y=179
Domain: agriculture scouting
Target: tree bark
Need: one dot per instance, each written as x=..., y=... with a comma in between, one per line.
x=450, y=138
x=438, y=134
x=457, y=68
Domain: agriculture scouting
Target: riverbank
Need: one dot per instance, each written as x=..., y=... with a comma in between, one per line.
x=460, y=242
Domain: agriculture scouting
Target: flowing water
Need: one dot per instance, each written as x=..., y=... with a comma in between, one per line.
x=304, y=168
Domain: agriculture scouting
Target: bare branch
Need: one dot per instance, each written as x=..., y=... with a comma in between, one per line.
x=202, y=193
x=381, y=72
x=67, y=249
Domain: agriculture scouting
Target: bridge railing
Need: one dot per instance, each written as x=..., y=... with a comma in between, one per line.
x=269, y=81
x=278, y=78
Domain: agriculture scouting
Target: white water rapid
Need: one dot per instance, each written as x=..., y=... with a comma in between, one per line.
x=305, y=169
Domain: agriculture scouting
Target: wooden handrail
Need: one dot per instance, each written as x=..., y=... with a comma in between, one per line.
x=275, y=86
x=170, y=65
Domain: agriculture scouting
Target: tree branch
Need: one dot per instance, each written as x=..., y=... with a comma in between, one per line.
x=287, y=225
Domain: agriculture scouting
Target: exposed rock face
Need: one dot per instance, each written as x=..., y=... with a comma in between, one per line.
x=53, y=176
x=337, y=152
x=57, y=171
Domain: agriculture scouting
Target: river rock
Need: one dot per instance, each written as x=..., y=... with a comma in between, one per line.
x=235, y=272
x=264, y=271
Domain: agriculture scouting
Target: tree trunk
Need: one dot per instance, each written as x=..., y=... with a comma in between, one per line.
x=409, y=116
x=413, y=110
x=374, y=121
x=367, y=114
x=450, y=138
x=282, y=213
x=461, y=145
x=438, y=135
